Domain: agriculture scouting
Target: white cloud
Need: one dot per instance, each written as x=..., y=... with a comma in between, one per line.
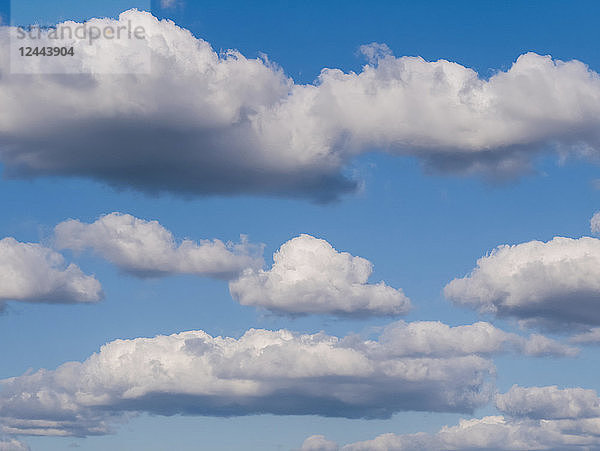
x=554, y=283
x=549, y=402
x=433, y=338
x=309, y=276
x=595, y=223
x=318, y=443
x=30, y=272
x=490, y=433
x=167, y=3
x=592, y=336
x=146, y=248
x=227, y=124
x=278, y=372
x=13, y=445
x=539, y=418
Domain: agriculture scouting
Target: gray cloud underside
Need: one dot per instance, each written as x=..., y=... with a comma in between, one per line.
x=536, y=418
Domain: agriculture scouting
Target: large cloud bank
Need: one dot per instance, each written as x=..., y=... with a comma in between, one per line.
x=30, y=272
x=203, y=123
x=554, y=283
x=309, y=276
x=539, y=418
x=146, y=248
x=277, y=372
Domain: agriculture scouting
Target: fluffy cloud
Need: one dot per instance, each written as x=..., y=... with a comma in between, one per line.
x=277, y=372
x=549, y=402
x=309, y=276
x=145, y=248
x=595, y=223
x=554, y=283
x=32, y=273
x=492, y=432
x=319, y=443
x=13, y=445
x=539, y=418
x=203, y=123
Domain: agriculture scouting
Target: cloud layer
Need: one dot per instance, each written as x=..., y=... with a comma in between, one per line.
x=207, y=123
x=309, y=276
x=30, y=272
x=554, y=283
x=545, y=418
x=145, y=248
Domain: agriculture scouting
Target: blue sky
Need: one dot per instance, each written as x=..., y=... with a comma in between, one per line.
x=420, y=228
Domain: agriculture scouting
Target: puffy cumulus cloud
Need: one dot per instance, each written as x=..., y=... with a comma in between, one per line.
x=554, y=283
x=145, y=248
x=203, y=123
x=492, y=432
x=549, y=402
x=318, y=443
x=595, y=223
x=309, y=276
x=30, y=272
x=13, y=445
x=277, y=372
x=538, y=418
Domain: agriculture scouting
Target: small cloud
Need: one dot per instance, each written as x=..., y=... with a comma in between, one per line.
x=595, y=223
x=374, y=52
x=167, y=3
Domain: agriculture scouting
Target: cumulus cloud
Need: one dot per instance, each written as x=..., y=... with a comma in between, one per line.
x=537, y=418
x=309, y=276
x=206, y=123
x=492, y=432
x=554, y=283
x=595, y=223
x=549, y=402
x=145, y=248
x=318, y=443
x=278, y=372
x=30, y=272
x=13, y=445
